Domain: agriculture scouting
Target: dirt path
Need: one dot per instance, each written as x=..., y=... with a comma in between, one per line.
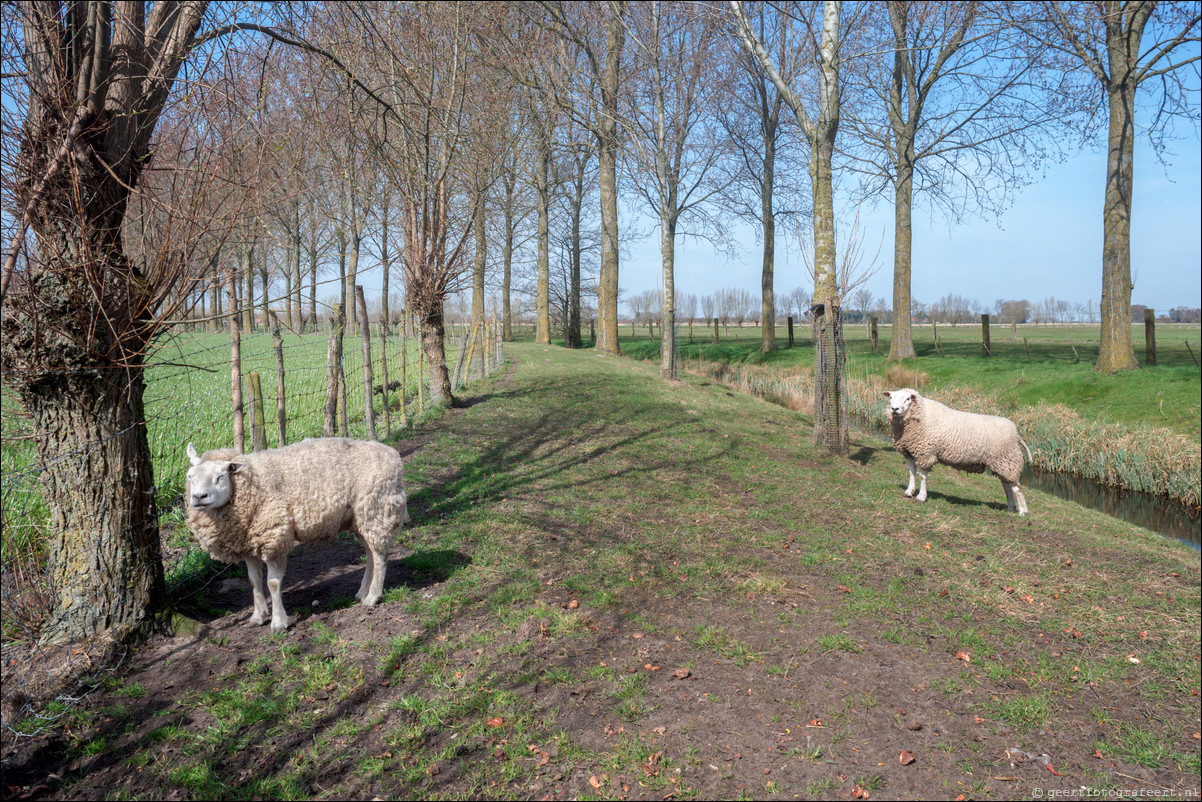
x=627, y=590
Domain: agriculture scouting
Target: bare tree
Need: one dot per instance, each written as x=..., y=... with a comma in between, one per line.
x=1105, y=43
x=599, y=32
x=676, y=141
x=758, y=136
x=956, y=115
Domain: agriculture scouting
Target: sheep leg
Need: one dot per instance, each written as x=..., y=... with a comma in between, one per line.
x=1022, y=502
x=368, y=570
x=373, y=575
x=254, y=569
x=275, y=581
x=1009, y=488
x=910, y=488
x=922, y=490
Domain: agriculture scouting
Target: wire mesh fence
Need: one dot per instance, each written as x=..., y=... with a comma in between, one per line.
x=188, y=399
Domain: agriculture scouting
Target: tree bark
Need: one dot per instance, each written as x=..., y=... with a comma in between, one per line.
x=542, y=304
x=1114, y=350
x=901, y=342
x=607, y=160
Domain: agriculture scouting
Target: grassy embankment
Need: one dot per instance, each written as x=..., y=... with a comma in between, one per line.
x=1138, y=430
x=622, y=586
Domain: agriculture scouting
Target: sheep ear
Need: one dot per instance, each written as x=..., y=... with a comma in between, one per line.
x=886, y=394
x=235, y=467
x=913, y=396
x=195, y=460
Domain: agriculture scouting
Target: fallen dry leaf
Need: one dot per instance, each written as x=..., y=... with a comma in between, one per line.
x=943, y=592
x=1054, y=772
x=859, y=793
x=433, y=769
x=650, y=667
x=1008, y=589
x=1098, y=754
x=960, y=798
x=843, y=589
x=964, y=656
x=1029, y=599
x=573, y=604
x=638, y=635
x=815, y=722
x=978, y=719
x=926, y=545
x=906, y=757
x=1143, y=635
x=682, y=673
x=495, y=722
x=593, y=781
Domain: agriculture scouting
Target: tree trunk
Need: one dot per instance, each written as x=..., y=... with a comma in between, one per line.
x=1114, y=350
x=478, y=266
x=433, y=337
x=542, y=303
x=105, y=568
x=575, y=337
x=607, y=160
x=767, y=293
x=901, y=343
x=667, y=348
x=507, y=263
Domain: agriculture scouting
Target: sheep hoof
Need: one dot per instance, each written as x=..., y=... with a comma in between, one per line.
x=908, y=494
x=258, y=620
x=279, y=627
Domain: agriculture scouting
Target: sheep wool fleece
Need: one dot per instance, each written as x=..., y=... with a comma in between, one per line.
x=308, y=491
x=931, y=432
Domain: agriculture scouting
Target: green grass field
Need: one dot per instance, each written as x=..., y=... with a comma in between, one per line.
x=1058, y=370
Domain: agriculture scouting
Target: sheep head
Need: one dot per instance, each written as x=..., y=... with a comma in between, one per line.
x=210, y=483
x=900, y=401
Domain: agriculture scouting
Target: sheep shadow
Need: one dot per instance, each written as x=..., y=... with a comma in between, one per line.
x=961, y=501
x=323, y=576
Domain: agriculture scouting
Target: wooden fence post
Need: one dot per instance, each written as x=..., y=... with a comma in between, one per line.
x=404, y=364
x=384, y=370
x=1150, y=337
x=873, y=335
x=333, y=371
x=281, y=408
x=790, y=331
x=258, y=423
x=235, y=365
x=715, y=331
x=369, y=412
x=986, y=351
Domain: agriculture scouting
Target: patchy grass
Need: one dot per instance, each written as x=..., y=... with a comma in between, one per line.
x=622, y=587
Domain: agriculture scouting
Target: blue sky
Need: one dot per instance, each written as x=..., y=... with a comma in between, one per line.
x=1048, y=243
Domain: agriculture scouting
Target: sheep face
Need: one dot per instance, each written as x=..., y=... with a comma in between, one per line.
x=209, y=482
x=900, y=401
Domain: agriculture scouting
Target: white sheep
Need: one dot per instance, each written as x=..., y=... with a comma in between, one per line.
x=926, y=432
x=258, y=507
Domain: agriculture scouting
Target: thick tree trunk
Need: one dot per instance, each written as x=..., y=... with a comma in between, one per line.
x=433, y=337
x=901, y=343
x=105, y=568
x=1114, y=351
